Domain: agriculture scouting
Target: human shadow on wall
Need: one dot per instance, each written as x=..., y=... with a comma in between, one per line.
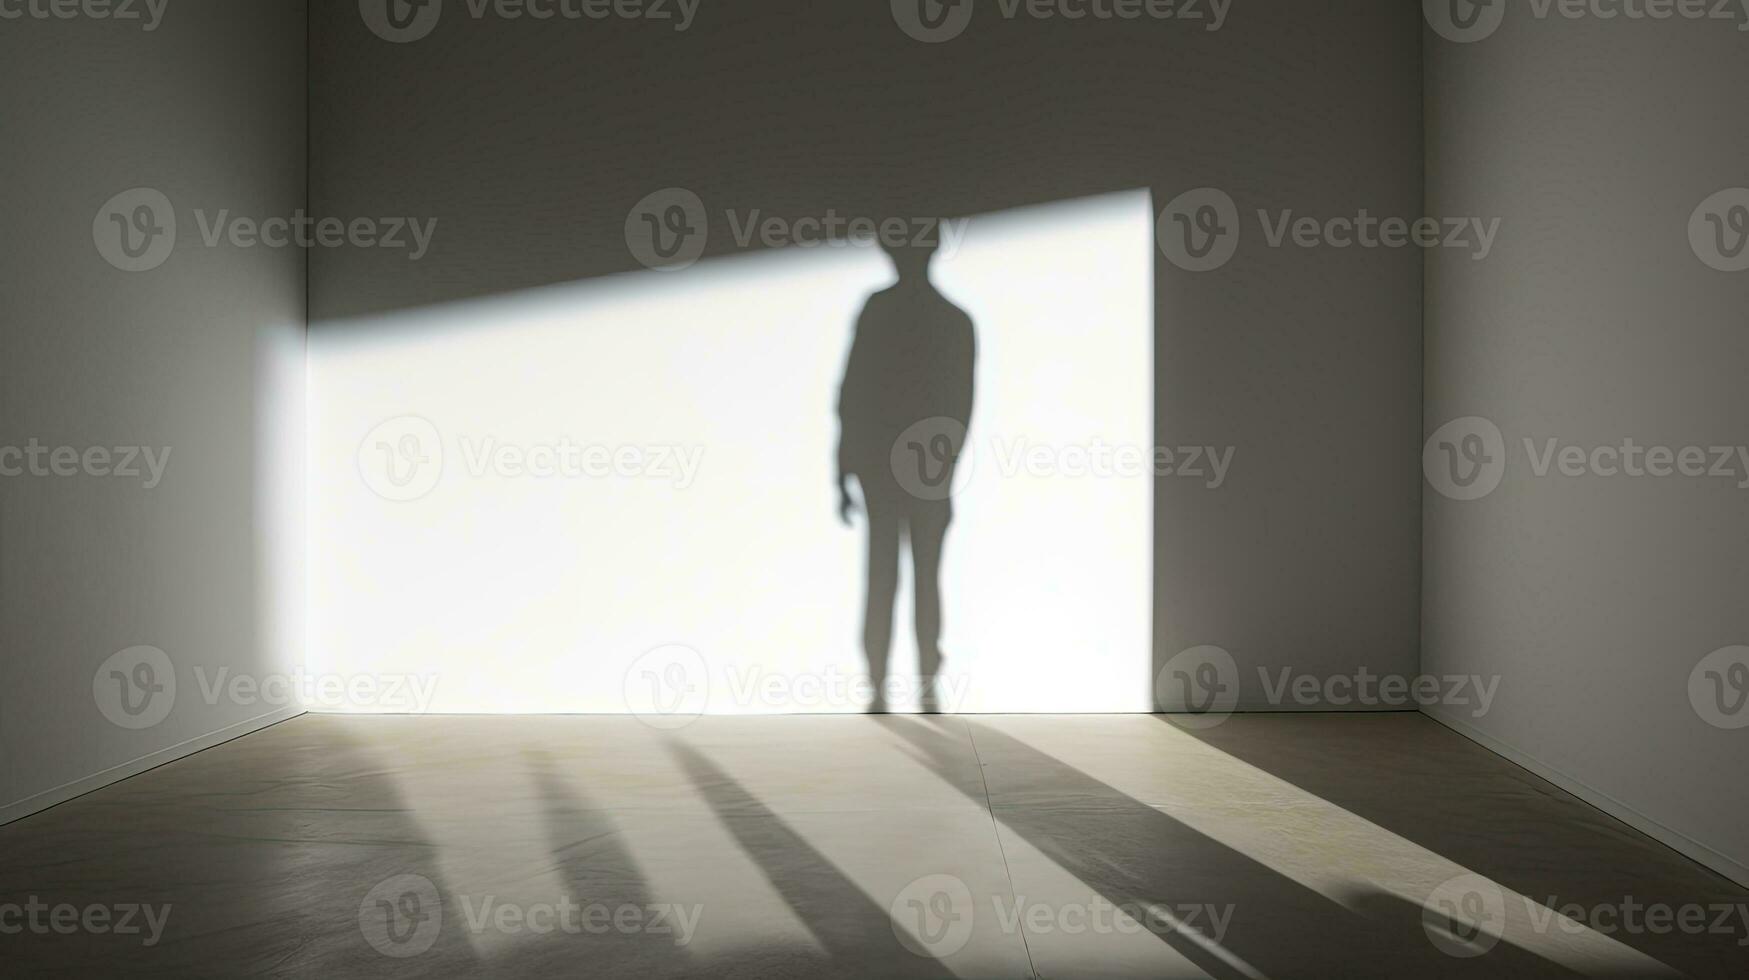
x=904, y=409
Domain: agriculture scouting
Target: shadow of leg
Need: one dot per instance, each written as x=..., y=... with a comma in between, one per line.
x=882, y=588
x=928, y=532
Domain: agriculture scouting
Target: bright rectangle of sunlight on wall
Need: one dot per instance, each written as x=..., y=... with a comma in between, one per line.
x=619, y=495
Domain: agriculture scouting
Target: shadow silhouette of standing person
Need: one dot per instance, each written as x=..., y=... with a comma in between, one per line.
x=903, y=412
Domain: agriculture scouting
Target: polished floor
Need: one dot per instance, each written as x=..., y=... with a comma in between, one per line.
x=1277, y=846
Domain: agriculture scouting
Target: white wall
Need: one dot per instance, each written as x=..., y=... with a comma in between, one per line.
x=532, y=163
x=501, y=577
x=530, y=141
x=1594, y=597
x=202, y=356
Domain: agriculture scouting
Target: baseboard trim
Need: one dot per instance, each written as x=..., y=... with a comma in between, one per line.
x=38, y=802
x=1675, y=840
x=1275, y=708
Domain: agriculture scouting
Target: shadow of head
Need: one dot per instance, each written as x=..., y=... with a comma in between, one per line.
x=911, y=260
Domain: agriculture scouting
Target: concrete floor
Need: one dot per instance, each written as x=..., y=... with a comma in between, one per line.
x=1270, y=846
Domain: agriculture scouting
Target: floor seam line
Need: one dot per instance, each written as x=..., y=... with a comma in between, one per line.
x=996, y=829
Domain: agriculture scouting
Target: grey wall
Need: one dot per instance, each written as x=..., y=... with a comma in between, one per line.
x=202, y=355
x=531, y=141
x=1593, y=597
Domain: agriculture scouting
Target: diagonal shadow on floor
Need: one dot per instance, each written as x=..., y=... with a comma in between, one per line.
x=281, y=854
x=855, y=933
x=598, y=874
x=1429, y=785
x=1134, y=855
